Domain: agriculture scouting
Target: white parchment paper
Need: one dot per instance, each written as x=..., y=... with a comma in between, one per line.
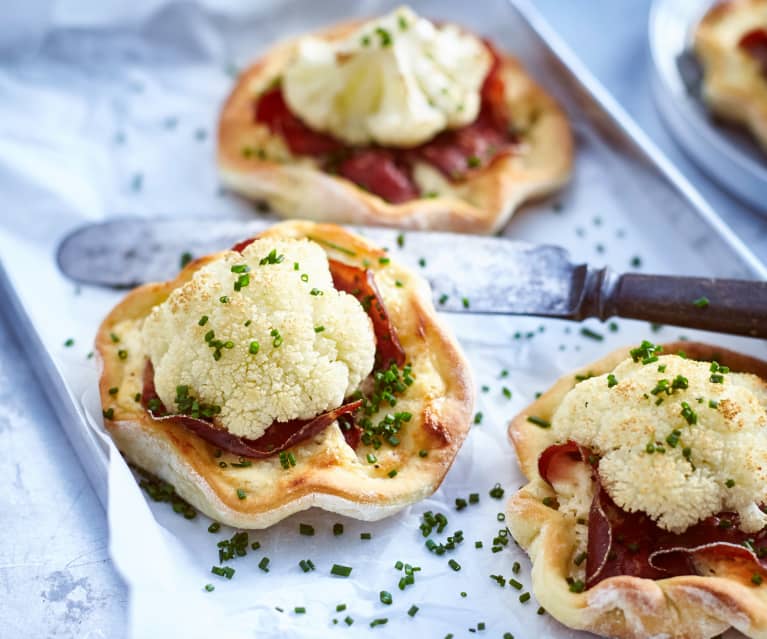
x=111, y=112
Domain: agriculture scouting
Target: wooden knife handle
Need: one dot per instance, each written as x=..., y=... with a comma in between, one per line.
x=738, y=307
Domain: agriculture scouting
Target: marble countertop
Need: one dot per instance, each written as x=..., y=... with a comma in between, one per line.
x=56, y=578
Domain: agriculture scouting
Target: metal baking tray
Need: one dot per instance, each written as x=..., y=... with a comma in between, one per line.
x=626, y=206
x=726, y=152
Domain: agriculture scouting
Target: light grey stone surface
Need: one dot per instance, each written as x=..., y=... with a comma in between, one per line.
x=56, y=579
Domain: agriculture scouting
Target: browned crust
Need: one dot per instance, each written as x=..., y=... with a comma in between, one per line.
x=733, y=85
x=689, y=606
x=327, y=475
x=487, y=199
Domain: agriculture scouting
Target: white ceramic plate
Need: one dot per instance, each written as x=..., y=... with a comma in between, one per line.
x=726, y=153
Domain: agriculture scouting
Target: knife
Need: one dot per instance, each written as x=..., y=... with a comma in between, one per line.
x=467, y=273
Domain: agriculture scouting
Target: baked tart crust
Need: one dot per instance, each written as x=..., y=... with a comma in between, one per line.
x=482, y=203
x=690, y=606
x=328, y=473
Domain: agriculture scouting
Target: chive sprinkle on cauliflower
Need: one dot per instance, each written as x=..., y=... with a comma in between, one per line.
x=262, y=336
x=679, y=440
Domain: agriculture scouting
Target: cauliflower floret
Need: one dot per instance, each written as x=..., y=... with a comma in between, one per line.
x=282, y=344
x=679, y=450
x=397, y=80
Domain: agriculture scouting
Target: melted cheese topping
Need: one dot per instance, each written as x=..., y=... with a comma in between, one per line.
x=283, y=344
x=679, y=450
x=398, y=80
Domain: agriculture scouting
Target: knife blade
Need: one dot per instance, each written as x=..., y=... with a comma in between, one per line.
x=467, y=273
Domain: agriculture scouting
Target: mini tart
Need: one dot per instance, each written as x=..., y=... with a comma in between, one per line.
x=690, y=606
x=734, y=84
x=328, y=473
x=482, y=203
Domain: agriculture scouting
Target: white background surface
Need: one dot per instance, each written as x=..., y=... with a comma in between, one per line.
x=55, y=577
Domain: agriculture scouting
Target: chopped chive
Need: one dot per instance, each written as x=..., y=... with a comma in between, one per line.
x=186, y=257
x=443, y=298
x=241, y=494
x=299, y=610
x=378, y=622
x=538, y=421
x=348, y=621
x=392, y=473
x=306, y=529
x=214, y=527
x=506, y=392
x=319, y=329
x=423, y=453
x=701, y=302
x=209, y=587
x=587, y=332
x=524, y=597
x=413, y=610
x=465, y=302
x=577, y=586
x=385, y=597
x=454, y=565
x=114, y=338
x=338, y=529
x=264, y=564
x=122, y=354
x=203, y=320
x=366, y=536
x=109, y=413
x=341, y=571
x=224, y=571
